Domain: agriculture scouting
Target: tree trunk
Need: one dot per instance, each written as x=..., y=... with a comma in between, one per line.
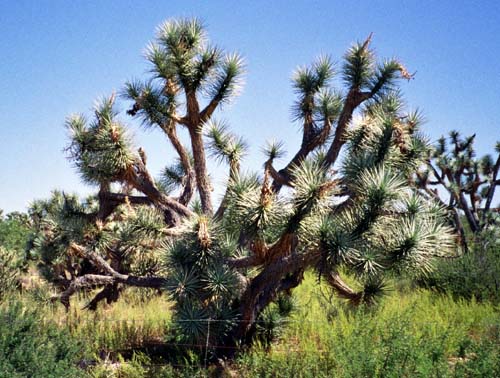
x=200, y=168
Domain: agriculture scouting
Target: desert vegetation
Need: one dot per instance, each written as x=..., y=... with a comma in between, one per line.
x=370, y=252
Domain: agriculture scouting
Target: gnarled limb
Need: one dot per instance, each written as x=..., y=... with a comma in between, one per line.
x=353, y=100
x=189, y=179
x=110, y=293
x=264, y=286
x=342, y=289
x=139, y=177
x=200, y=168
x=95, y=280
x=109, y=278
x=311, y=139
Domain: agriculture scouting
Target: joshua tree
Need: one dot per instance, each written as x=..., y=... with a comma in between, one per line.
x=223, y=268
x=462, y=183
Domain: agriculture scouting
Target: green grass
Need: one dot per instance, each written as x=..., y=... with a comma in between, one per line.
x=410, y=333
x=129, y=323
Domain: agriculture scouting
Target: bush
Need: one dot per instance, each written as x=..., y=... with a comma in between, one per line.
x=33, y=347
x=14, y=231
x=390, y=347
x=475, y=274
x=10, y=266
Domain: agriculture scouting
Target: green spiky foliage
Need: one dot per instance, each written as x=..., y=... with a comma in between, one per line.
x=101, y=149
x=325, y=111
x=57, y=222
x=463, y=183
x=383, y=227
x=190, y=79
x=223, y=145
x=201, y=283
x=231, y=272
x=128, y=240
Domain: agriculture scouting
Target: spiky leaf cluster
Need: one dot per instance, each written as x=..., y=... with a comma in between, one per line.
x=137, y=239
x=385, y=135
x=223, y=145
x=384, y=225
x=57, y=222
x=130, y=238
x=201, y=282
x=253, y=208
x=361, y=72
x=100, y=149
x=182, y=60
x=316, y=100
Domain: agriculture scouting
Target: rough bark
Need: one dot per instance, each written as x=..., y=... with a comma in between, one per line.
x=195, y=127
x=353, y=100
x=139, y=177
x=189, y=179
x=263, y=288
x=342, y=289
x=109, y=277
x=200, y=168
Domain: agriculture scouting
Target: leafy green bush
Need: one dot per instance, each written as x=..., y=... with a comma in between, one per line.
x=33, y=347
x=14, y=231
x=475, y=274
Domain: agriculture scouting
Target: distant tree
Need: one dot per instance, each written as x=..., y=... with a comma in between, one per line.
x=14, y=231
x=462, y=183
x=224, y=267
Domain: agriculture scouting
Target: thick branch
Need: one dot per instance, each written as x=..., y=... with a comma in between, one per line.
x=94, y=280
x=342, y=289
x=109, y=201
x=279, y=179
x=311, y=139
x=353, y=100
x=188, y=185
x=139, y=177
x=493, y=185
x=209, y=109
x=200, y=167
x=245, y=262
x=195, y=127
x=110, y=292
x=109, y=277
x=266, y=282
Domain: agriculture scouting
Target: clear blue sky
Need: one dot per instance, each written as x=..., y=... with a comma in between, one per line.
x=58, y=56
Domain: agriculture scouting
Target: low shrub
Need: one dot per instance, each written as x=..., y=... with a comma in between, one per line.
x=10, y=269
x=474, y=274
x=31, y=346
